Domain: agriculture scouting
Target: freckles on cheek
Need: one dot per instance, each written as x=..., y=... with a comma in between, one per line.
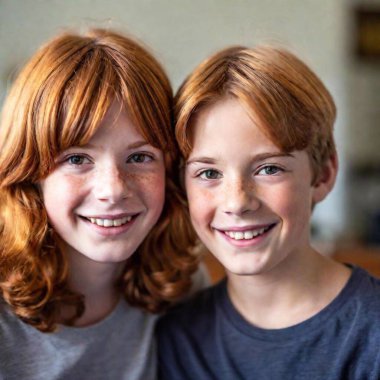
x=60, y=195
x=74, y=181
x=152, y=184
x=200, y=204
x=57, y=188
x=296, y=205
x=151, y=180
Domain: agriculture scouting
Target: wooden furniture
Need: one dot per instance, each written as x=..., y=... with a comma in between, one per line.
x=367, y=258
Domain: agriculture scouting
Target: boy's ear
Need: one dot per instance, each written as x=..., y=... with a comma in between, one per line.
x=326, y=180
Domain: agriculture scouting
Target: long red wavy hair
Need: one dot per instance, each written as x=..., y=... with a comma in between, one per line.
x=58, y=101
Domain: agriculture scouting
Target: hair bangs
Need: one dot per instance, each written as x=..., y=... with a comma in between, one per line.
x=147, y=95
x=280, y=93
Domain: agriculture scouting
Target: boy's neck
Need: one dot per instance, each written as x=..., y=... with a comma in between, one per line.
x=279, y=300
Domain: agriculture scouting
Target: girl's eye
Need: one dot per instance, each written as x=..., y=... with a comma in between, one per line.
x=270, y=170
x=77, y=160
x=210, y=174
x=139, y=158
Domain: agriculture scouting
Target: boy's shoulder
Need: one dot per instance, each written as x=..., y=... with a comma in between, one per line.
x=365, y=286
x=359, y=297
x=197, y=309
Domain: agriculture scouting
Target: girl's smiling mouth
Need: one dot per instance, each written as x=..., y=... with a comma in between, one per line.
x=107, y=224
x=110, y=222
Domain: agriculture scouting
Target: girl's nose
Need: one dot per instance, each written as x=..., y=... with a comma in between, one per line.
x=111, y=185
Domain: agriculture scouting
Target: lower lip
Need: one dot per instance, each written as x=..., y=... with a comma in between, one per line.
x=110, y=231
x=246, y=243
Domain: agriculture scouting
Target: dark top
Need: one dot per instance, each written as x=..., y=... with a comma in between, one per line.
x=206, y=338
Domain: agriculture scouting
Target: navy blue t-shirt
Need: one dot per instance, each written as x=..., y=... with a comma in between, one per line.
x=206, y=338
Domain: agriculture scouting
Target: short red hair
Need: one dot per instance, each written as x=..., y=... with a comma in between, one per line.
x=279, y=91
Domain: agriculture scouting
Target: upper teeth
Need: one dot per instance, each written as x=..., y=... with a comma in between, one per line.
x=110, y=222
x=240, y=235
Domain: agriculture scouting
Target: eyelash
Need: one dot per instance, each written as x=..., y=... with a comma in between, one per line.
x=146, y=158
x=132, y=159
x=82, y=157
x=203, y=174
x=270, y=166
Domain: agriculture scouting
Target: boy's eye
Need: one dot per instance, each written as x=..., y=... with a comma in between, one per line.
x=210, y=174
x=270, y=170
x=139, y=158
x=77, y=160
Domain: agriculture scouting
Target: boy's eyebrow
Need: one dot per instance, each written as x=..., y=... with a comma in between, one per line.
x=204, y=160
x=258, y=157
x=264, y=156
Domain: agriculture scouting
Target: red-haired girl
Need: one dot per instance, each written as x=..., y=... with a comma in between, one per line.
x=88, y=208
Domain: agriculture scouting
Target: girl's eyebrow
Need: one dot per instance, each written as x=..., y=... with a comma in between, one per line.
x=257, y=157
x=136, y=144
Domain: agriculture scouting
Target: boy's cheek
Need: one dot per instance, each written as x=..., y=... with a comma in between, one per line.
x=201, y=205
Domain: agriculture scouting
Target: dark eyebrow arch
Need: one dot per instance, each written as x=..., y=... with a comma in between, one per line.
x=135, y=145
x=264, y=156
x=138, y=144
x=258, y=157
x=203, y=160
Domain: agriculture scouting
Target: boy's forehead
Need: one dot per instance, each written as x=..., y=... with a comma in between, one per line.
x=234, y=112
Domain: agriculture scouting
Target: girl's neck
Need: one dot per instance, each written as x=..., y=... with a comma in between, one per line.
x=97, y=283
x=290, y=296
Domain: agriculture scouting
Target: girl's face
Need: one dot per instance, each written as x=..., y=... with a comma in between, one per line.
x=103, y=198
x=250, y=203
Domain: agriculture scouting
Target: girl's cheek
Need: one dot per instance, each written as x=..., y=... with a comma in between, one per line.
x=78, y=182
x=154, y=182
x=55, y=184
x=151, y=187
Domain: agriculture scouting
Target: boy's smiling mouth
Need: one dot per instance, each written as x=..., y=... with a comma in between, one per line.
x=247, y=233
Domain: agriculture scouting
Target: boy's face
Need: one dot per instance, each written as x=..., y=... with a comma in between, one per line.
x=103, y=198
x=249, y=202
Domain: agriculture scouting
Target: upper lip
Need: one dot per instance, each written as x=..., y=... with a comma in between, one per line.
x=110, y=216
x=244, y=228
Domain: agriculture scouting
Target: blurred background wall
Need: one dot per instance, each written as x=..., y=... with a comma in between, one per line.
x=182, y=33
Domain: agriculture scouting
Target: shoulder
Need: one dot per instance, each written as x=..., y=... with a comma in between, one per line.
x=366, y=286
x=186, y=331
x=360, y=305
x=9, y=322
x=193, y=313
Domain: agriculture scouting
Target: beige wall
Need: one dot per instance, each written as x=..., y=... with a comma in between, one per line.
x=182, y=33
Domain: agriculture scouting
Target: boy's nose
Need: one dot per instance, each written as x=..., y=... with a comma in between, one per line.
x=111, y=185
x=240, y=197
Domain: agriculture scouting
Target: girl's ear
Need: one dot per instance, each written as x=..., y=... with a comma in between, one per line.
x=326, y=180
